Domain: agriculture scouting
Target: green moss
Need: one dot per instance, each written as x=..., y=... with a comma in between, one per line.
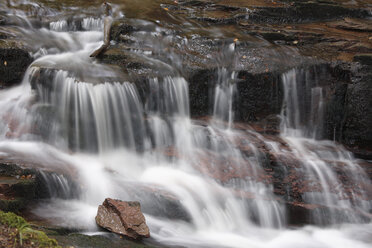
x=99, y=241
x=25, y=232
x=11, y=220
x=13, y=205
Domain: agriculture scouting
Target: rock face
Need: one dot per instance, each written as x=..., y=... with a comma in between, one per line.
x=123, y=218
x=20, y=184
x=13, y=63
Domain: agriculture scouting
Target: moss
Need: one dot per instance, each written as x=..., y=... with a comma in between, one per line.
x=99, y=241
x=13, y=205
x=25, y=232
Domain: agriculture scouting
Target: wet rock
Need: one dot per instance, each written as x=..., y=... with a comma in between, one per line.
x=201, y=91
x=364, y=59
x=157, y=202
x=123, y=218
x=17, y=187
x=348, y=114
x=358, y=114
x=335, y=111
x=259, y=95
x=358, y=25
x=120, y=29
x=14, y=60
x=300, y=12
x=97, y=241
x=295, y=12
x=20, y=185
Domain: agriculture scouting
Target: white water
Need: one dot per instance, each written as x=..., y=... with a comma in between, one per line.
x=116, y=146
x=318, y=157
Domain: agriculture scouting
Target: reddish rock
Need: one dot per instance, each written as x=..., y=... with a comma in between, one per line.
x=123, y=218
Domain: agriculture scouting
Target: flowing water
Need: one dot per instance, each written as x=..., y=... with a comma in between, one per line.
x=90, y=125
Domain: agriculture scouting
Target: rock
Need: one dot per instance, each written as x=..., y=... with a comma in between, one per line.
x=97, y=241
x=201, y=91
x=123, y=218
x=364, y=59
x=120, y=28
x=358, y=25
x=21, y=184
x=259, y=96
x=14, y=60
x=301, y=12
x=358, y=114
x=17, y=187
x=157, y=202
x=348, y=118
x=224, y=12
x=12, y=226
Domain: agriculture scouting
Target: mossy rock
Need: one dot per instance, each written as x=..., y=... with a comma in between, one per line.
x=14, y=205
x=25, y=232
x=11, y=170
x=98, y=241
x=120, y=28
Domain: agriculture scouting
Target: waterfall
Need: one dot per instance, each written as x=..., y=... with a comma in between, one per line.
x=301, y=126
x=303, y=105
x=202, y=182
x=94, y=117
x=92, y=23
x=59, y=26
x=224, y=97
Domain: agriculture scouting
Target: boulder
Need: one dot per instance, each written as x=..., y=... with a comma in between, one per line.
x=123, y=218
x=14, y=60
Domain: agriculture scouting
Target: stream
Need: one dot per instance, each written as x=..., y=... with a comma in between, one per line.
x=201, y=181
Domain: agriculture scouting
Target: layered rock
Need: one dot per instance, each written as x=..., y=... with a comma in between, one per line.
x=342, y=35
x=22, y=183
x=123, y=218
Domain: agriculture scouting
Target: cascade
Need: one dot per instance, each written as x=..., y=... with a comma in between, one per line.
x=223, y=96
x=201, y=182
x=301, y=126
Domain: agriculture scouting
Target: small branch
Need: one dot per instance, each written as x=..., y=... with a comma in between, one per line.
x=106, y=32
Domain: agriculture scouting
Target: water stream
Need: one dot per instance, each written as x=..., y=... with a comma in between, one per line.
x=82, y=119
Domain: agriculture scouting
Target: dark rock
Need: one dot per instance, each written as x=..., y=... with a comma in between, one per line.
x=124, y=218
x=97, y=241
x=365, y=59
x=348, y=115
x=357, y=130
x=353, y=25
x=335, y=112
x=13, y=205
x=14, y=61
x=120, y=29
x=201, y=89
x=301, y=12
x=294, y=12
x=19, y=186
x=259, y=95
x=157, y=202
